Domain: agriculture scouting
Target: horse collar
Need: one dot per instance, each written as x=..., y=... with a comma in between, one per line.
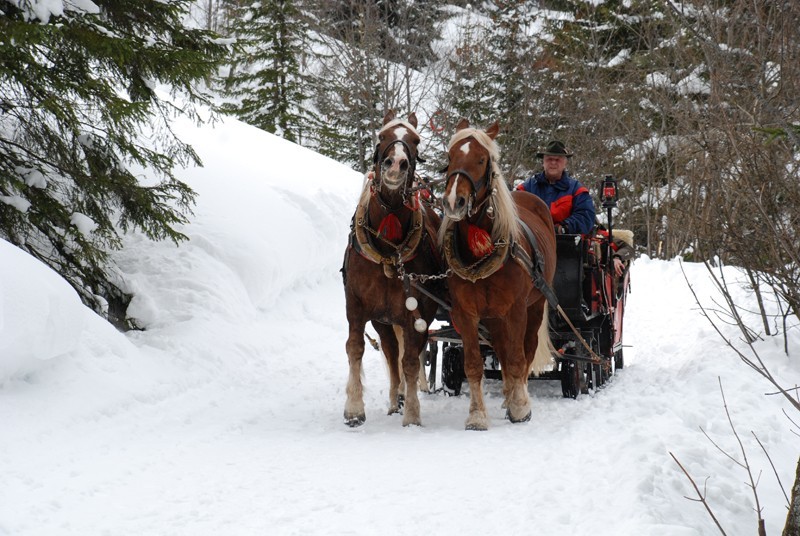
x=404, y=251
x=483, y=267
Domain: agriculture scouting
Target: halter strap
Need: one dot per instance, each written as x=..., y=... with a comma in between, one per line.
x=475, y=186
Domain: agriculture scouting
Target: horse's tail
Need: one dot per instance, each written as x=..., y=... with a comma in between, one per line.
x=543, y=358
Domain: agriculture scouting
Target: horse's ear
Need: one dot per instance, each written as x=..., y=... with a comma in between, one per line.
x=412, y=119
x=388, y=117
x=464, y=123
x=493, y=130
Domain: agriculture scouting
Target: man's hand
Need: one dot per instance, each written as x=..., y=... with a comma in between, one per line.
x=619, y=266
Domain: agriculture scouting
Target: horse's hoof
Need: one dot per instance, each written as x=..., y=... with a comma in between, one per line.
x=355, y=420
x=394, y=411
x=416, y=423
x=476, y=428
x=526, y=418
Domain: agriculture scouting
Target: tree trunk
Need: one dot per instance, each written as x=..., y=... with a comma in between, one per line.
x=792, y=527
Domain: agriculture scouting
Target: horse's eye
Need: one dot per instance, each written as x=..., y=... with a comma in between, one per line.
x=381, y=137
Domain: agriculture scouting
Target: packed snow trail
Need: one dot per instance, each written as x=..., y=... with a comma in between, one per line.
x=225, y=415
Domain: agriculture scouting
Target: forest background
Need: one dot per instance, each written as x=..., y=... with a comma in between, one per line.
x=692, y=105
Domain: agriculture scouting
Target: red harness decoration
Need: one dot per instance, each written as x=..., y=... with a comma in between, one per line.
x=390, y=228
x=479, y=241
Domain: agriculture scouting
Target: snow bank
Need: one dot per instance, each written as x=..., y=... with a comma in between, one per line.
x=41, y=316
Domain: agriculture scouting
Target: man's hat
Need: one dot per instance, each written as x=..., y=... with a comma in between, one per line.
x=554, y=148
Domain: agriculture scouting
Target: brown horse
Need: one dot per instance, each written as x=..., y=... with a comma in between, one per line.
x=392, y=234
x=496, y=272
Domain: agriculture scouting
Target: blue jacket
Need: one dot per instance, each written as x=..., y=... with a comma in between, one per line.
x=570, y=203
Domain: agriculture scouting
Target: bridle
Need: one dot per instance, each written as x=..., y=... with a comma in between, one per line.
x=476, y=186
x=408, y=191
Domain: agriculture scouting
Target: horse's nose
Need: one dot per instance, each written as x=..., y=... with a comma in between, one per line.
x=455, y=203
x=401, y=162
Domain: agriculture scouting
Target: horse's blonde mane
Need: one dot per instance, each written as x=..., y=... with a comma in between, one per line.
x=505, y=210
x=395, y=122
x=366, y=193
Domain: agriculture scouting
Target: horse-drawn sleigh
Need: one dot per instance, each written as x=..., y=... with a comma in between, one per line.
x=517, y=304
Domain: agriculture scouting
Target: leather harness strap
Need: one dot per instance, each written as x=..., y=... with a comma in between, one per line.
x=536, y=270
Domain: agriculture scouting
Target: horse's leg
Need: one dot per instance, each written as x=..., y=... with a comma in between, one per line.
x=413, y=344
x=422, y=379
x=390, y=351
x=401, y=389
x=473, y=368
x=354, y=414
x=498, y=333
x=508, y=338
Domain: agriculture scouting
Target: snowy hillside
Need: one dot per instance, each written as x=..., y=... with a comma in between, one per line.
x=225, y=415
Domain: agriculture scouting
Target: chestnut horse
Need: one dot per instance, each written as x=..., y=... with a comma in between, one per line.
x=496, y=273
x=392, y=234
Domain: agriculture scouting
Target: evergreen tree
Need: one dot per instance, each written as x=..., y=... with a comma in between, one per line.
x=353, y=82
x=514, y=83
x=598, y=62
x=416, y=26
x=349, y=99
x=264, y=82
x=366, y=61
x=77, y=88
x=466, y=88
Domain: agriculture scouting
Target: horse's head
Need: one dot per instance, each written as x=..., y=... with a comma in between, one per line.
x=396, y=154
x=471, y=154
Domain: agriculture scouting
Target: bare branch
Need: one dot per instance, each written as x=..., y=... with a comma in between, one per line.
x=701, y=497
x=731, y=458
x=757, y=365
x=753, y=484
x=778, y=478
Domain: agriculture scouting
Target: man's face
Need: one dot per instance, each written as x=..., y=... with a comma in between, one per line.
x=554, y=166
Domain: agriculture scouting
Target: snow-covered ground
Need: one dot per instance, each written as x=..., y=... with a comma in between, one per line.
x=225, y=415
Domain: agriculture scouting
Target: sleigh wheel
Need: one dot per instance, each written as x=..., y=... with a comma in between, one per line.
x=571, y=379
x=453, y=368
